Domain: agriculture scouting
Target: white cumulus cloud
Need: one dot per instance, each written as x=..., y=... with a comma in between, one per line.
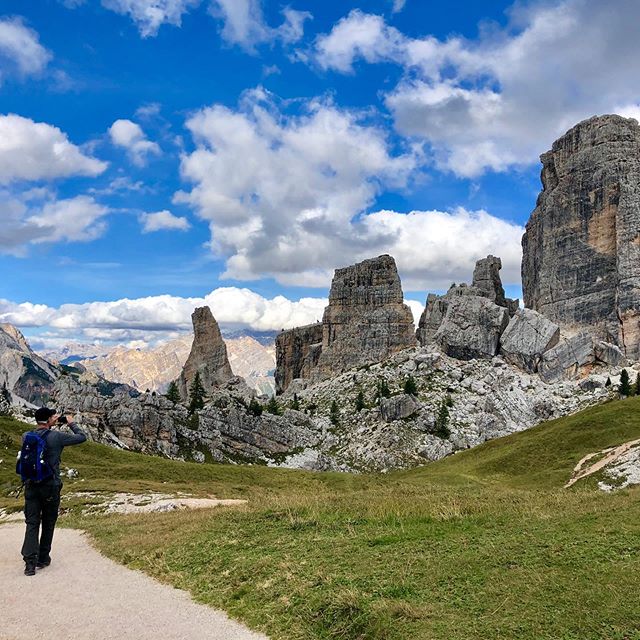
x=35, y=218
x=20, y=49
x=150, y=15
x=289, y=197
x=130, y=136
x=38, y=151
x=163, y=220
x=497, y=101
x=244, y=24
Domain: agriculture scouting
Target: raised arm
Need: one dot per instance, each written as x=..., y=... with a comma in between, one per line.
x=77, y=437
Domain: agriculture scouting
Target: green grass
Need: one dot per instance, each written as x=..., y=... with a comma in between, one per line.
x=484, y=544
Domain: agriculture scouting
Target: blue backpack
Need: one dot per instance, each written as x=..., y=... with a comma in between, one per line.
x=31, y=465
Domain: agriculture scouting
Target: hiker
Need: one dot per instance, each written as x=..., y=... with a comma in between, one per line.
x=42, y=484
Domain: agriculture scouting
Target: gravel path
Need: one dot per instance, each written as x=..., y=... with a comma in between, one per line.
x=84, y=595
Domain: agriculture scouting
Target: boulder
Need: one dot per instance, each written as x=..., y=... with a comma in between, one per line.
x=527, y=336
x=471, y=328
x=398, y=407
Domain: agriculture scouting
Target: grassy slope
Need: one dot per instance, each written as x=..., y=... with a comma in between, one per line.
x=481, y=545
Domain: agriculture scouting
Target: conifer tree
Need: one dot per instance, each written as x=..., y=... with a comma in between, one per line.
x=441, y=427
x=255, y=407
x=295, y=405
x=334, y=414
x=637, y=385
x=273, y=406
x=608, y=382
x=196, y=394
x=360, y=405
x=172, y=392
x=625, y=386
x=410, y=386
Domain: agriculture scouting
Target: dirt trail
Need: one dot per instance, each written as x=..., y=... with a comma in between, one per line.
x=609, y=455
x=85, y=596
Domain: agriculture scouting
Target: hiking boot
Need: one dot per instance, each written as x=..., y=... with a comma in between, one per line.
x=41, y=564
x=29, y=568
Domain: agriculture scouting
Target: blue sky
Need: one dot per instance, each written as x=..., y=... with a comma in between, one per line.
x=157, y=154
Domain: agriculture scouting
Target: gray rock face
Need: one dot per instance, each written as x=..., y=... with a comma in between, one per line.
x=297, y=353
x=471, y=328
x=398, y=407
x=208, y=355
x=576, y=356
x=486, y=284
x=527, y=336
x=365, y=322
x=486, y=277
x=28, y=377
x=581, y=249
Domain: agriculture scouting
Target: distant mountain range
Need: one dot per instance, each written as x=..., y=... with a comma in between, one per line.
x=251, y=354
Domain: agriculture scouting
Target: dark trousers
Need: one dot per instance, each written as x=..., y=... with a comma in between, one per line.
x=41, y=502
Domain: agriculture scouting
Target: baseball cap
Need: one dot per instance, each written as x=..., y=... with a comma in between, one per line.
x=43, y=414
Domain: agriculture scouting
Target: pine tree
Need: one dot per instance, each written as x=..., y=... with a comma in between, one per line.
x=441, y=427
x=334, y=414
x=608, y=382
x=410, y=386
x=637, y=385
x=172, y=392
x=295, y=405
x=625, y=386
x=360, y=405
x=273, y=406
x=255, y=407
x=196, y=394
x=383, y=390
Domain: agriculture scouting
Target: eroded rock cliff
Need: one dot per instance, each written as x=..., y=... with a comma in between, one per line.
x=208, y=355
x=581, y=249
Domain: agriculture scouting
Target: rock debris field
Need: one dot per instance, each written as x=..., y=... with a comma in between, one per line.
x=85, y=595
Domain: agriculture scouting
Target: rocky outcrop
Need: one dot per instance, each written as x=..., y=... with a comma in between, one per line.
x=365, y=322
x=581, y=249
x=471, y=327
x=297, y=353
x=208, y=355
x=577, y=356
x=27, y=376
x=486, y=284
x=527, y=337
x=486, y=278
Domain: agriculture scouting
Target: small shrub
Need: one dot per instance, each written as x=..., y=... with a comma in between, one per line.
x=255, y=407
x=410, y=386
x=383, y=390
x=273, y=407
x=295, y=405
x=360, y=405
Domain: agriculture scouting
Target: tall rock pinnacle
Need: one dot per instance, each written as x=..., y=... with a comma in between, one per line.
x=208, y=354
x=581, y=249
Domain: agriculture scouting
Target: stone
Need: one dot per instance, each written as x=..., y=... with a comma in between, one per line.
x=208, y=355
x=471, y=328
x=486, y=284
x=297, y=353
x=398, y=407
x=366, y=319
x=527, y=336
x=365, y=322
x=486, y=277
x=581, y=248
x=576, y=356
